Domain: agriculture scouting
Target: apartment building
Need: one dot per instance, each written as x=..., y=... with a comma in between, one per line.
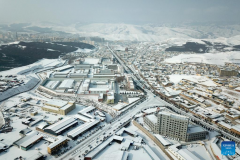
x=174, y=126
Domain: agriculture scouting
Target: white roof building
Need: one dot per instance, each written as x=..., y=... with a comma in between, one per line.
x=68, y=83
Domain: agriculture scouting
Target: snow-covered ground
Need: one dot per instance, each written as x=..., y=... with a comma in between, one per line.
x=209, y=58
x=44, y=63
x=85, y=50
x=198, y=79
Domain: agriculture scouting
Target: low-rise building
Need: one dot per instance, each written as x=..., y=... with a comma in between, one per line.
x=59, y=106
x=195, y=133
x=28, y=141
x=55, y=146
x=61, y=126
x=110, y=98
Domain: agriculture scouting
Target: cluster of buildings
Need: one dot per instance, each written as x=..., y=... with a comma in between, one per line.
x=53, y=36
x=9, y=81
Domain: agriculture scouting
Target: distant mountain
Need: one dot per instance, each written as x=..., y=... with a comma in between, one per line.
x=182, y=33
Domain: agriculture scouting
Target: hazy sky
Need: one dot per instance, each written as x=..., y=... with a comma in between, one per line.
x=123, y=11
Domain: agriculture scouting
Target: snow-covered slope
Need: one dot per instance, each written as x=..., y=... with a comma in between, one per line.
x=227, y=34
x=134, y=32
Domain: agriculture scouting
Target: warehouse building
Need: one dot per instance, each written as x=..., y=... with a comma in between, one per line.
x=59, y=106
x=66, y=84
x=52, y=84
x=55, y=146
x=28, y=141
x=61, y=126
x=82, y=129
x=85, y=114
x=63, y=68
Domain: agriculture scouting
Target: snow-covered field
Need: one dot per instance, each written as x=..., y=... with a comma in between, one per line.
x=209, y=58
x=44, y=63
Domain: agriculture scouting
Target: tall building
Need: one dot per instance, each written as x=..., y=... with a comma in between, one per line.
x=174, y=126
x=226, y=71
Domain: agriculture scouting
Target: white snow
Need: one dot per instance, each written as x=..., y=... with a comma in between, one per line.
x=44, y=63
x=209, y=58
x=85, y=50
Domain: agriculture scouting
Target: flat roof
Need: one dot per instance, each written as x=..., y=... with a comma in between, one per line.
x=195, y=129
x=187, y=154
x=152, y=118
x=60, y=140
x=117, y=155
x=82, y=117
x=126, y=144
x=54, y=102
x=119, y=106
x=236, y=127
x=94, y=152
x=28, y=140
x=91, y=61
x=87, y=109
x=129, y=131
x=98, y=89
x=64, y=67
x=75, y=132
x=66, y=106
x=174, y=115
x=164, y=141
x=67, y=83
x=150, y=152
x=217, y=150
x=50, y=107
x=225, y=124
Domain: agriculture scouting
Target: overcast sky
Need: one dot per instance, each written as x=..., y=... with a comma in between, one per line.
x=119, y=11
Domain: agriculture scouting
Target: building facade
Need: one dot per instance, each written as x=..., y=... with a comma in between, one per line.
x=168, y=124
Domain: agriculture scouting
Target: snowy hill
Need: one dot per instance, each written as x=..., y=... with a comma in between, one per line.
x=134, y=32
x=182, y=33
